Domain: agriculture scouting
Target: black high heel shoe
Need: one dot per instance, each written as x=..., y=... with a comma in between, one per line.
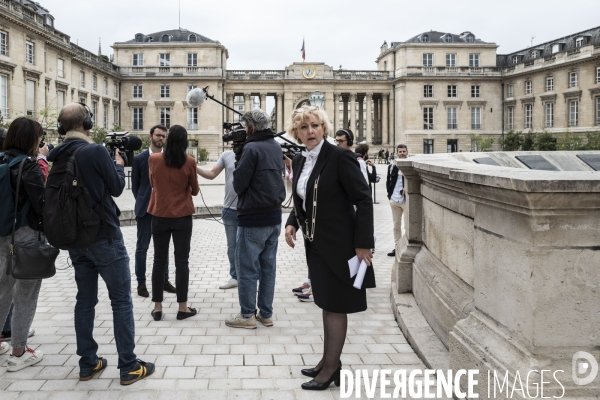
x=312, y=373
x=314, y=385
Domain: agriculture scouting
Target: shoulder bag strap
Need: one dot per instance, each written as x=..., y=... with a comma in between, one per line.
x=12, y=241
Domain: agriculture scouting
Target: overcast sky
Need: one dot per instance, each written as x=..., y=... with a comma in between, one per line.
x=268, y=34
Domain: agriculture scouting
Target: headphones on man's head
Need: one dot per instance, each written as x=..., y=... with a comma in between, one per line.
x=348, y=134
x=87, y=123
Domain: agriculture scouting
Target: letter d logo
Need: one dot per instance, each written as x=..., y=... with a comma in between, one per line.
x=583, y=363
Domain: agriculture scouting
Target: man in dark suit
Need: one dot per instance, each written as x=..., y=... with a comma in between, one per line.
x=140, y=186
x=396, y=192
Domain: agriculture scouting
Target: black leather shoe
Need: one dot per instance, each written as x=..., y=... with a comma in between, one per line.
x=392, y=253
x=314, y=385
x=157, y=315
x=142, y=290
x=184, y=315
x=169, y=288
x=311, y=372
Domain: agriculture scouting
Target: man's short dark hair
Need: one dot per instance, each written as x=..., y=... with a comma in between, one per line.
x=362, y=149
x=161, y=127
x=402, y=146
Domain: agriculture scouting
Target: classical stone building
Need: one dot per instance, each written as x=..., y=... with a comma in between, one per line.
x=432, y=92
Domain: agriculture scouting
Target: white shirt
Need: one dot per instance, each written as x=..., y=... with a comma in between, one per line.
x=151, y=152
x=363, y=169
x=397, y=193
x=309, y=164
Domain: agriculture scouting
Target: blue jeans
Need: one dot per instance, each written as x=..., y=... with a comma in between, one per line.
x=144, y=233
x=229, y=217
x=111, y=262
x=255, y=256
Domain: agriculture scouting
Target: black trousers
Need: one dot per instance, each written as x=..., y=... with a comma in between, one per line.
x=181, y=231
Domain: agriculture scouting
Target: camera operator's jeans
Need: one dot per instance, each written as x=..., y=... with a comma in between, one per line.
x=255, y=256
x=144, y=233
x=111, y=262
x=229, y=217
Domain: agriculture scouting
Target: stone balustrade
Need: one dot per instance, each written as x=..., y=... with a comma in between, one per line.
x=503, y=265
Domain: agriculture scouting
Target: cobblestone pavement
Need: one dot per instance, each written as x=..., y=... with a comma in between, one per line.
x=200, y=357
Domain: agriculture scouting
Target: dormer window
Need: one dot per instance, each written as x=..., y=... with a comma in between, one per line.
x=425, y=38
x=556, y=48
x=164, y=38
x=534, y=54
x=192, y=38
x=139, y=38
x=470, y=38
x=579, y=42
x=448, y=38
x=515, y=59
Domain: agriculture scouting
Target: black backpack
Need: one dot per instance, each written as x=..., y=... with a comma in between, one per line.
x=70, y=220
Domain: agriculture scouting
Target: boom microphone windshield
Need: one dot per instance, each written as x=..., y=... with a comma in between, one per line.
x=196, y=97
x=132, y=143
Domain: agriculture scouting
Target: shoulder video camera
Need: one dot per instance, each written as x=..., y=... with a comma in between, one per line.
x=125, y=145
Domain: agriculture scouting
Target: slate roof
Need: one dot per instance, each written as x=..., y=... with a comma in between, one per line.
x=175, y=35
x=591, y=36
x=440, y=37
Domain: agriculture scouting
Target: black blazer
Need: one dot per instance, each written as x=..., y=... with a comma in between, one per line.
x=392, y=178
x=140, y=183
x=339, y=228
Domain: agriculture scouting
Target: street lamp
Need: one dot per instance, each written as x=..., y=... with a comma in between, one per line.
x=317, y=99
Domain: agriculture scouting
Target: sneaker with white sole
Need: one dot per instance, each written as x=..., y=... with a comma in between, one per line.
x=305, y=285
x=265, y=321
x=4, y=347
x=230, y=284
x=29, y=357
x=5, y=336
x=306, y=297
x=239, y=321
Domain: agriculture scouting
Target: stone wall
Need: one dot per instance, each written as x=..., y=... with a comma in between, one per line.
x=502, y=263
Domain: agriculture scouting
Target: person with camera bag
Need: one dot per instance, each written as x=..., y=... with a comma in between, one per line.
x=94, y=177
x=19, y=160
x=258, y=183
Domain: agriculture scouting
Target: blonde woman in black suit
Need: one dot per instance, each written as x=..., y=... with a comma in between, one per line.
x=327, y=185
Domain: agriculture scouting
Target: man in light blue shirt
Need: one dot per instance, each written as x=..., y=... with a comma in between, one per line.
x=229, y=214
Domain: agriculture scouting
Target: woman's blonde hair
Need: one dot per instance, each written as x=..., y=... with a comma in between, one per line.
x=302, y=114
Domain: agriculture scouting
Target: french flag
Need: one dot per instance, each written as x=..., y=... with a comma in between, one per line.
x=303, y=51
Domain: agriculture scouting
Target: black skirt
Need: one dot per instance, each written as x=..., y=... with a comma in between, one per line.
x=329, y=291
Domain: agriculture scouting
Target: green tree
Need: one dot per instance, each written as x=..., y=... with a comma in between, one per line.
x=202, y=154
x=544, y=141
x=528, y=141
x=481, y=142
x=593, y=141
x=98, y=134
x=513, y=140
x=570, y=141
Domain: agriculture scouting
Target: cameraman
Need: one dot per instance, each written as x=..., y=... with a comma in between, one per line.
x=257, y=181
x=106, y=257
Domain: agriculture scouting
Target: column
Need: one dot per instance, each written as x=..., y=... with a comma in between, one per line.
x=247, y=102
x=229, y=114
x=386, y=129
x=279, y=111
x=369, y=119
x=336, y=112
x=345, y=113
x=329, y=104
x=377, y=134
x=353, y=112
x=361, y=122
x=263, y=101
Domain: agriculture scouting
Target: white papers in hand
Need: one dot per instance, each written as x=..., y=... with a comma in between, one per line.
x=360, y=275
x=358, y=268
x=353, y=264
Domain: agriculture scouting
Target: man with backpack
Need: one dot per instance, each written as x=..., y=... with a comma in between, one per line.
x=96, y=178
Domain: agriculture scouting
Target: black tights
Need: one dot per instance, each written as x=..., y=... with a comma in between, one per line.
x=335, y=326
